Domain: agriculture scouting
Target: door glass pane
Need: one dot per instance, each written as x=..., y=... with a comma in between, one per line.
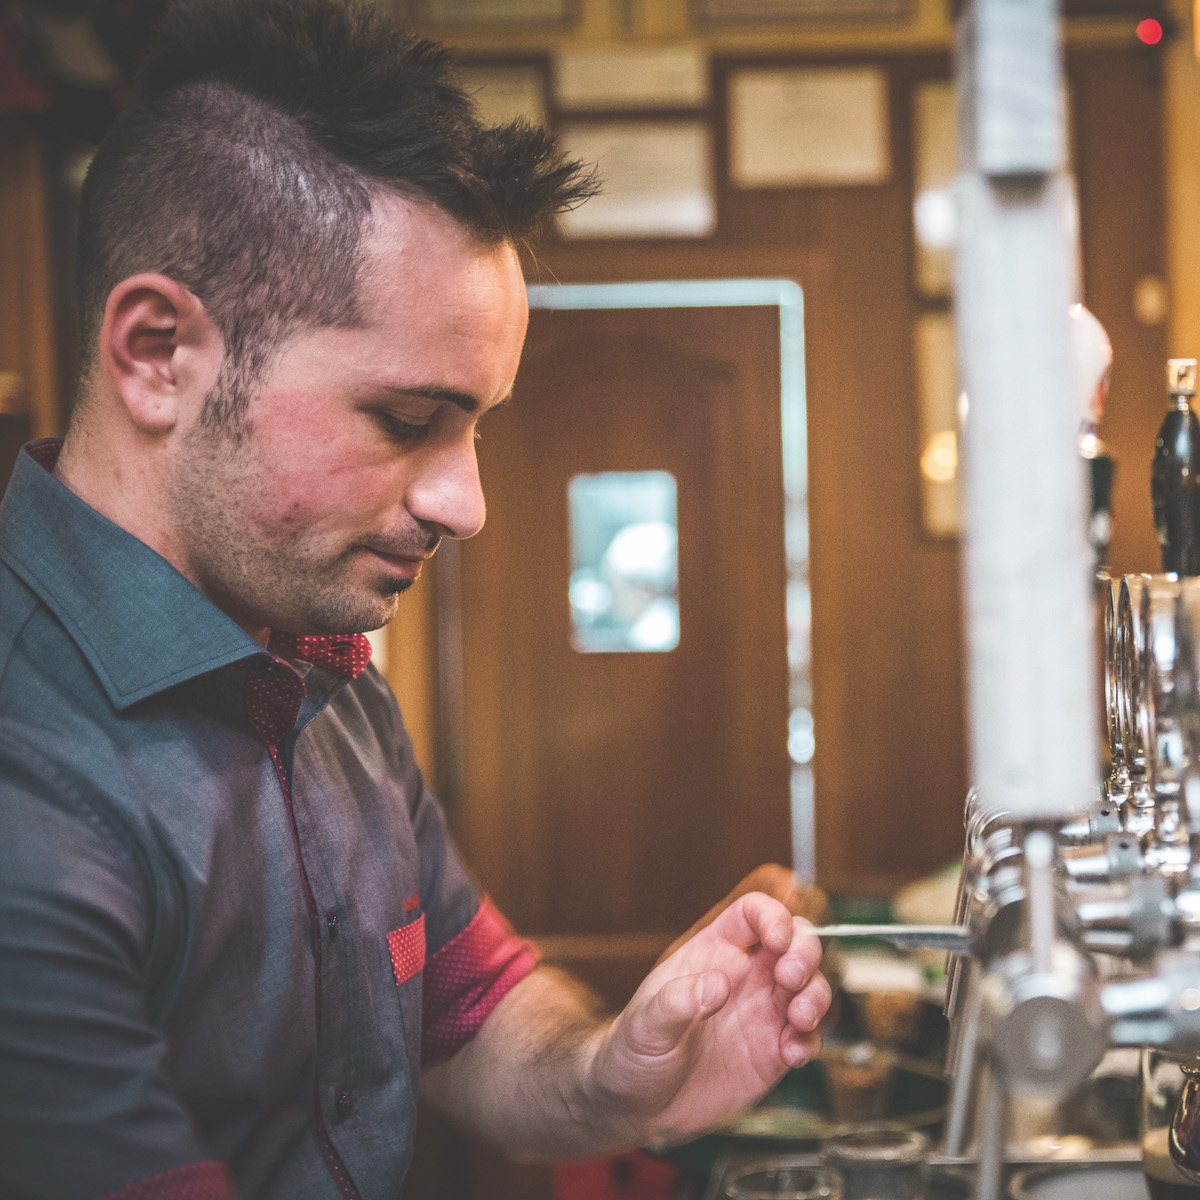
x=624, y=561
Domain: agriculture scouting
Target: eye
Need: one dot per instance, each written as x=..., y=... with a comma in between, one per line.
x=399, y=430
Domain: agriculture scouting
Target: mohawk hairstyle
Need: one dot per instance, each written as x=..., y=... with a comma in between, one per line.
x=245, y=163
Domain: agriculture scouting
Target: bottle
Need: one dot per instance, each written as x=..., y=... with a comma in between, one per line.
x=1175, y=474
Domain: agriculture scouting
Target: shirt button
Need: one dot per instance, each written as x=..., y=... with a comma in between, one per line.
x=343, y=1102
x=331, y=924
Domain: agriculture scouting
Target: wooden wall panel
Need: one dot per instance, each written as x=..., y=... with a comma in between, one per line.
x=411, y=668
x=27, y=336
x=1120, y=151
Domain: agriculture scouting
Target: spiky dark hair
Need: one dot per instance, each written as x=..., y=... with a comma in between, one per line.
x=245, y=163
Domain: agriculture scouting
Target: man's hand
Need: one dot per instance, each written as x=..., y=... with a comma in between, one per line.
x=718, y=1021
x=714, y=1025
x=800, y=899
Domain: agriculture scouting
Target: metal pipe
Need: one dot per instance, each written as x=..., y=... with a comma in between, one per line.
x=993, y=1137
x=961, y=1067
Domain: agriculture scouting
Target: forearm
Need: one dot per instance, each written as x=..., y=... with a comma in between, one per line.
x=710, y=1030
x=526, y=1080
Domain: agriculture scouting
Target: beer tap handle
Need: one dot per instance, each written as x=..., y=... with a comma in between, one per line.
x=955, y=938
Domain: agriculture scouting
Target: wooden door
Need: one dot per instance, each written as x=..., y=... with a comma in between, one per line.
x=607, y=799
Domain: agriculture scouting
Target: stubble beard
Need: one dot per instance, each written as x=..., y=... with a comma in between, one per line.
x=261, y=581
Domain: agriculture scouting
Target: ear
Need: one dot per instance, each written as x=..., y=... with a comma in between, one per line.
x=159, y=349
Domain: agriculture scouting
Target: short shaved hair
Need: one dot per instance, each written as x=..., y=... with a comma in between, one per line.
x=245, y=164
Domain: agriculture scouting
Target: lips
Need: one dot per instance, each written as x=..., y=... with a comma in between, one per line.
x=414, y=549
x=403, y=556
x=403, y=564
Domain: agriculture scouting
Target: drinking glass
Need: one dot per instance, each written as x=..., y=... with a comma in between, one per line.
x=857, y=1076
x=780, y=1181
x=877, y=1161
x=1118, y=782
x=1131, y=642
x=1159, y=721
x=1132, y=678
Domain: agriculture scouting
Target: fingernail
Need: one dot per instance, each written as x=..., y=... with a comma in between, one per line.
x=781, y=932
x=795, y=976
x=807, y=1019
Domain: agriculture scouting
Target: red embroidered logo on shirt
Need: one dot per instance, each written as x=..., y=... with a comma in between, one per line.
x=412, y=902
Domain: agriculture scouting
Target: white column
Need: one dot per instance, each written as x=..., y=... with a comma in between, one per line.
x=1026, y=561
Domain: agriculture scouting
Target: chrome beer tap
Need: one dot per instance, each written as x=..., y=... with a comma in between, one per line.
x=1118, y=784
x=1021, y=1010
x=1139, y=805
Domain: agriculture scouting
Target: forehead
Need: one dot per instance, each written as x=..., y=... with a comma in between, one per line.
x=424, y=277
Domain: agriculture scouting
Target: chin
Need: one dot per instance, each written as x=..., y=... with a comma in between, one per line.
x=355, y=611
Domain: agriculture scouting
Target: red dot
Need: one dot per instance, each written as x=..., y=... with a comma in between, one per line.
x=1149, y=31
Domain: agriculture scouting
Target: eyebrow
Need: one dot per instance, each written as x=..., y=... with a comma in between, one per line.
x=463, y=400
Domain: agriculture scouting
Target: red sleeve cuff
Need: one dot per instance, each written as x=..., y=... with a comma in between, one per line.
x=467, y=978
x=196, y=1181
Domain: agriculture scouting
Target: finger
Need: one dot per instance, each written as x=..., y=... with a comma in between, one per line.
x=756, y=919
x=796, y=1048
x=798, y=964
x=807, y=1007
x=800, y=899
x=659, y=1024
x=782, y=884
x=761, y=879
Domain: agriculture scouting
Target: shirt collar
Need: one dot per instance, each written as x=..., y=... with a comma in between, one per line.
x=140, y=624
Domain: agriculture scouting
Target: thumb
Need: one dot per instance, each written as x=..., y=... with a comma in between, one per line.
x=659, y=1024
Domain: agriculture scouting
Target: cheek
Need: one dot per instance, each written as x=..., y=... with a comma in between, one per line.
x=298, y=502
x=329, y=497
x=317, y=471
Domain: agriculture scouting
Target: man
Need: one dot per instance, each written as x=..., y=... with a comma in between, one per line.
x=232, y=926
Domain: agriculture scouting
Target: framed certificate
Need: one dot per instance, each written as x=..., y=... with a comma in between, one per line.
x=656, y=179
x=808, y=127
x=631, y=77
x=494, y=12
x=503, y=94
x=802, y=10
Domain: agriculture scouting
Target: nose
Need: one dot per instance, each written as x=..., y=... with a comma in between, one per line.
x=446, y=493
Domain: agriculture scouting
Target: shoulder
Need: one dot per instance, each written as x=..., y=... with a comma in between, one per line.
x=65, y=850
x=59, y=742
x=39, y=773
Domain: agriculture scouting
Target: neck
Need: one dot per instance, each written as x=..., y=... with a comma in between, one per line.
x=118, y=480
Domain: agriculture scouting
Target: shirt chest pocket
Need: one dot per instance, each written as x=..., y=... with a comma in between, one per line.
x=407, y=948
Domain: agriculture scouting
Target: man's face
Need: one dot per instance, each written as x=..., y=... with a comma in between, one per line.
x=358, y=452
